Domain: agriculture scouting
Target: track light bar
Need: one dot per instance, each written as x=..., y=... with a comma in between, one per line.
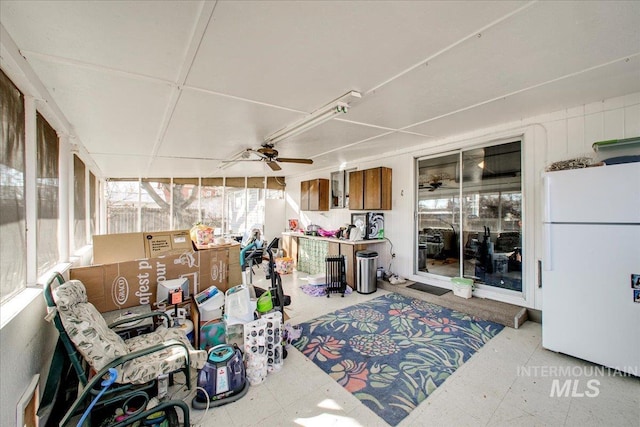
x=321, y=115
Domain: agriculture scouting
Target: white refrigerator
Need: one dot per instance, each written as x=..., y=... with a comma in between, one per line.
x=590, y=309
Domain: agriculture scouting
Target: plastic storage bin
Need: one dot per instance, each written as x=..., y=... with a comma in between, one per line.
x=462, y=287
x=210, y=304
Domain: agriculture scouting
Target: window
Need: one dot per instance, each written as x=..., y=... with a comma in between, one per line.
x=13, y=259
x=93, y=200
x=212, y=203
x=275, y=188
x=48, y=201
x=230, y=205
x=236, y=205
x=469, y=208
x=122, y=206
x=79, y=203
x=185, y=203
x=155, y=204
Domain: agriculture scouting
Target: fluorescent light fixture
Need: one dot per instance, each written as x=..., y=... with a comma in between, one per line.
x=321, y=115
x=244, y=154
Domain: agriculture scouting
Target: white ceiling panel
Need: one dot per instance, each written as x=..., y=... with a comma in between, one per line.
x=182, y=168
x=122, y=165
x=145, y=37
x=304, y=54
x=606, y=82
x=550, y=40
x=209, y=125
x=110, y=113
x=376, y=147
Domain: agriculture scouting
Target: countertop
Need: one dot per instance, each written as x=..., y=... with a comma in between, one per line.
x=333, y=239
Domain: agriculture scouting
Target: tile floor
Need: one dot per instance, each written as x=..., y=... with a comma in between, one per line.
x=507, y=383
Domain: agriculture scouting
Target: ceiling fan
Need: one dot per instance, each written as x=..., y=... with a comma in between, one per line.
x=433, y=186
x=266, y=153
x=435, y=181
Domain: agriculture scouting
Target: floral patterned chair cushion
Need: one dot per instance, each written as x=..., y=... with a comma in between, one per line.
x=100, y=345
x=146, y=368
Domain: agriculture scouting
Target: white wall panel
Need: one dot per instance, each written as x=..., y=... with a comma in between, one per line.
x=557, y=140
x=614, y=124
x=632, y=121
x=575, y=132
x=593, y=131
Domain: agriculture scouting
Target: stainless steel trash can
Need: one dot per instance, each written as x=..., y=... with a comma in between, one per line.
x=366, y=281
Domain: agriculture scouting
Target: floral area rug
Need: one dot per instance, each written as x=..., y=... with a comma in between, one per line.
x=392, y=352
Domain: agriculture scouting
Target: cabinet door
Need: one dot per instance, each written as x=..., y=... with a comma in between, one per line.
x=385, y=188
x=304, y=196
x=334, y=249
x=377, y=188
x=319, y=195
x=372, y=193
x=356, y=190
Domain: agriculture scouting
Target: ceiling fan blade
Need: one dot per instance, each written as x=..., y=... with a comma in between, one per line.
x=290, y=160
x=274, y=166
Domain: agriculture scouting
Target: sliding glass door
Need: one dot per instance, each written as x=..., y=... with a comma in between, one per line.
x=468, y=215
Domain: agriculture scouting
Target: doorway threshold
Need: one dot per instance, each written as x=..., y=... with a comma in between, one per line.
x=505, y=314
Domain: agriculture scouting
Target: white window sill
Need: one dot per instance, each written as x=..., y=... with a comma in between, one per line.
x=14, y=305
x=17, y=303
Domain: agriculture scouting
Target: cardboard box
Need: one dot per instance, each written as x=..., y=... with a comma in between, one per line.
x=111, y=248
x=130, y=283
x=166, y=242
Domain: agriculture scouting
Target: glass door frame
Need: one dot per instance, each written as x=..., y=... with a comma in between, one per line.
x=484, y=290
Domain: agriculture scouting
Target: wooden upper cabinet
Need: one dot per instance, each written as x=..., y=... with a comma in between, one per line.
x=377, y=188
x=314, y=195
x=356, y=190
x=304, y=195
x=370, y=189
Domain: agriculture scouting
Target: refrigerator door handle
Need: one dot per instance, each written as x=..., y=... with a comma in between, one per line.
x=539, y=273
